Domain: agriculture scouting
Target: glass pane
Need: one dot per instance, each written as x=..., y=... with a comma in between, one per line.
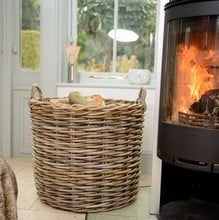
x=96, y=20
x=30, y=35
x=192, y=68
x=138, y=16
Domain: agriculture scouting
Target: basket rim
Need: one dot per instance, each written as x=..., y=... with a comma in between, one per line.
x=110, y=102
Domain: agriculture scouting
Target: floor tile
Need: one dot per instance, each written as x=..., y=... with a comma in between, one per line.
x=145, y=180
x=47, y=215
x=119, y=217
x=17, y=164
x=25, y=176
x=26, y=196
x=138, y=210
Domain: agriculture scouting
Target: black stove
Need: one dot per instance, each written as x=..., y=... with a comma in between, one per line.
x=188, y=132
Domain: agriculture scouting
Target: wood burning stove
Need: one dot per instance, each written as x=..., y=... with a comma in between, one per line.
x=188, y=132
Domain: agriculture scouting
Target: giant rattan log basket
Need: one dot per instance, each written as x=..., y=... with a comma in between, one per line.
x=86, y=158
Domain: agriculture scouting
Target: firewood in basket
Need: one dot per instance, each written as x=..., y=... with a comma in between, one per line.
x=208, y=103
x=75, y=97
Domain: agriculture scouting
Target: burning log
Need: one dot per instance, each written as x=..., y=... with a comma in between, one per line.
x=208, y=103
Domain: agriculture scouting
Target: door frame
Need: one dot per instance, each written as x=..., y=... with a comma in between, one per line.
x=5, y=82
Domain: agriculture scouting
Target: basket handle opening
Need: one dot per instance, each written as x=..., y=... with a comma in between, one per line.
x=35, y=88
x=141, y=97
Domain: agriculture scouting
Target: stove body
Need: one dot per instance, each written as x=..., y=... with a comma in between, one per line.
x=188, y=131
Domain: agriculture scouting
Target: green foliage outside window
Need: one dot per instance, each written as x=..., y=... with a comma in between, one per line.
x=95, y=20
x=30, y=35
x=30, y=41
x=30, y=15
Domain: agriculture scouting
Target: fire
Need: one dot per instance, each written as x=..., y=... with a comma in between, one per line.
x=193, y=76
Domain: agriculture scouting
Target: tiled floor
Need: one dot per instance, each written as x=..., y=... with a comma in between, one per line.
x=31, y=208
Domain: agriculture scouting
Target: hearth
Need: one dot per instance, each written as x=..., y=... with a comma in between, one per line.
x=188, y=133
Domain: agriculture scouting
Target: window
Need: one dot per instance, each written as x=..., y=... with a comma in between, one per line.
x=101, y=53
x=30, y=35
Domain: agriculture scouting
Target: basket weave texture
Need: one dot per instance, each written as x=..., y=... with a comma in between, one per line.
x=86, y=158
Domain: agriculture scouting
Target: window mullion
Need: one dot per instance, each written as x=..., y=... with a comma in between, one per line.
x=116, y=6
x=72, y=32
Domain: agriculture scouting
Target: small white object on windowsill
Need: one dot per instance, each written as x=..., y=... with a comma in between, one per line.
x=139, y=76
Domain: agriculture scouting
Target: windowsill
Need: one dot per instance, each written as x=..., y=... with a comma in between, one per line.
x=106, y=80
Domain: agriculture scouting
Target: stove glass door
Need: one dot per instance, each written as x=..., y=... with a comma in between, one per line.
x=191, y=72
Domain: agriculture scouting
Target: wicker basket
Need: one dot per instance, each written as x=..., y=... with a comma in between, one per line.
x=86, y=158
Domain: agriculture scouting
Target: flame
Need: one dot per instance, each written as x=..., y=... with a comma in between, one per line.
x=193, y=79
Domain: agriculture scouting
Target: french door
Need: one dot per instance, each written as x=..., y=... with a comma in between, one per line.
x=25, y=70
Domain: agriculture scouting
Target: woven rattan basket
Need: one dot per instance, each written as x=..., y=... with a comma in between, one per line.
x=86, y=158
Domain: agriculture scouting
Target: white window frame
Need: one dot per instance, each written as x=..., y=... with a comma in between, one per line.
x=73, y=32
x=51, y=36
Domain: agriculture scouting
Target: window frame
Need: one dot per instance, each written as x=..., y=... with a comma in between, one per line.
x=73, y=31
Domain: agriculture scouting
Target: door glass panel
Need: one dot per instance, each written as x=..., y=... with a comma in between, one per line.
x=30, y=35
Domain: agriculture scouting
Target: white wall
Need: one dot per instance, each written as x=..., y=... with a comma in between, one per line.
x=156, y=162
